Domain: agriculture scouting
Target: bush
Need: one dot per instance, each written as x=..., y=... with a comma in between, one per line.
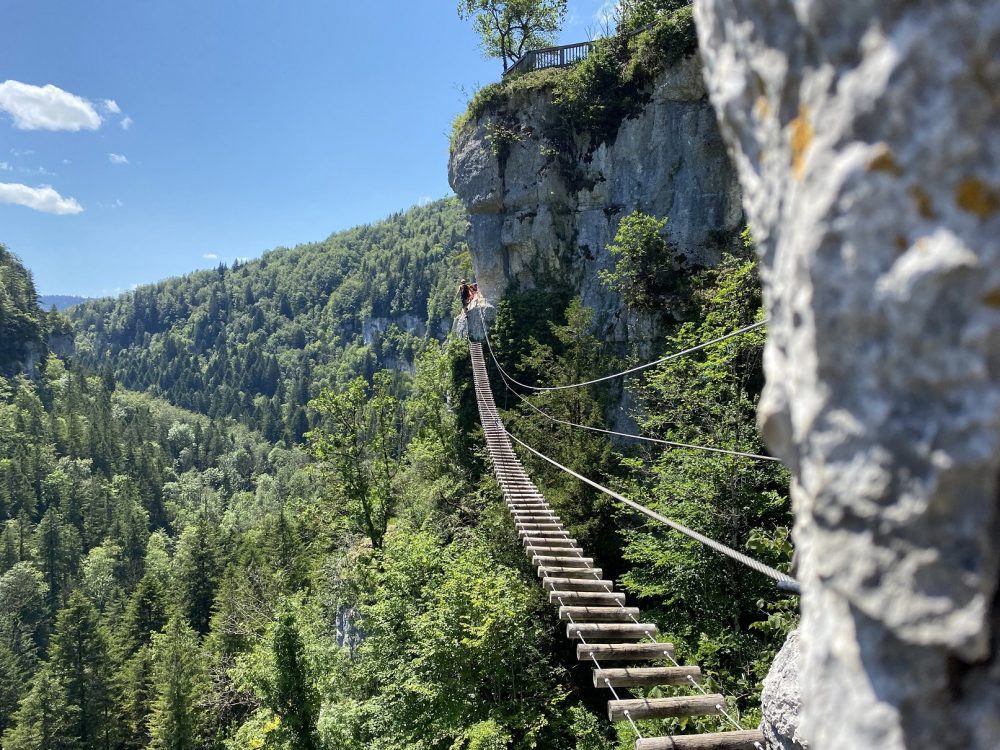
x=609, y=85
x=644, y=262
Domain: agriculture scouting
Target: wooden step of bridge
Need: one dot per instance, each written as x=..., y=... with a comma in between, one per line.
x=750, y=739
x=586, y=598
x=596, y=615
x=665, y=708
x=645, y=676
x=573, y=613
x=624, y=651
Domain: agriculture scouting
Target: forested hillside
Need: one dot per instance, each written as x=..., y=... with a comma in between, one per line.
x=22, y=323
x=170, y=580
x=256, y=340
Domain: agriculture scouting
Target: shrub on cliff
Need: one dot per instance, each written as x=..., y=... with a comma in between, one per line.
x=611, y=84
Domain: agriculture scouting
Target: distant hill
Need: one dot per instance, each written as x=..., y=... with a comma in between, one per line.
x=61, y=301
x=23, y=326
x=256, y=340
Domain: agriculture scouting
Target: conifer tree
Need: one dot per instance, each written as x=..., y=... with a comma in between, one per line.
x=80, y=662
x=293, y=693
x=45, y=719
x=178, y=721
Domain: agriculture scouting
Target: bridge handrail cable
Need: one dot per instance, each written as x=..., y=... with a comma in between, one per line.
x=784, y=580
x=629, y=371
x=630, y=436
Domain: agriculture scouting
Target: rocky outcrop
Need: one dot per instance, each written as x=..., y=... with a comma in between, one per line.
x=780, y=700
x=472, y=323
x=867, y=141
x=540, y=218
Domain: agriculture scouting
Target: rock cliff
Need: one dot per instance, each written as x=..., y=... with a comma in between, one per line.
x=867, y=142
x=540, y=218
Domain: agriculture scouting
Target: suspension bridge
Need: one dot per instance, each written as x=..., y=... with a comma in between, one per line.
x=607, y=631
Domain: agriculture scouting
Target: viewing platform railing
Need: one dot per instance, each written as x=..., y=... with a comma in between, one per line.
x=550, y=57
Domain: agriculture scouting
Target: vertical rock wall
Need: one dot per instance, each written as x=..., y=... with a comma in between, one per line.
x=532, y=224
x=867, y=141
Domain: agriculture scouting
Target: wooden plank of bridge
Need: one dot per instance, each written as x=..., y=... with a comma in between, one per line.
x=613, y=631
x=551, y=583
x=665, y=708
x=533, y=550
x=593, y=609
x=624, y=651
x=567, y=561
x=644, y=676
x=547, y=571
x=744, y=740
x=591, y=598
x=598, y=614
x=559, y=542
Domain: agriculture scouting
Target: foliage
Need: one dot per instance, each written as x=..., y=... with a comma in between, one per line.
x=22, y=324
x=454, y=654
x=257, y=340
x=509, y=28
x=713, y=608
x=596, y=95
x=633, y=15
x=574, y=355
x=647, y=270
x=360, y=443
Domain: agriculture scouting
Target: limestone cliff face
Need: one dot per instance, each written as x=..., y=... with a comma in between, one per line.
x=533, y=221
x=867, y=141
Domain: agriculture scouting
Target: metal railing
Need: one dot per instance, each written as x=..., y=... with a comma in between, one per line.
x=550, y=57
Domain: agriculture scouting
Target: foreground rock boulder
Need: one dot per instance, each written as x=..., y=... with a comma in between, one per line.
x=867, y=141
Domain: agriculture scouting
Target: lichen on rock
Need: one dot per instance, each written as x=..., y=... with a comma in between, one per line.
x=867, y=143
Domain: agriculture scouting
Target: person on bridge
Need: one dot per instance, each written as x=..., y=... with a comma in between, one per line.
x=466, y=293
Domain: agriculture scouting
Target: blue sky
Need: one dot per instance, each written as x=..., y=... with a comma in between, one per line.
x=140, y=140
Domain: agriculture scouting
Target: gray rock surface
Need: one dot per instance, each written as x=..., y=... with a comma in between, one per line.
x=867, y=140
x=472, y=322
x=529, y=224
x=780, y=700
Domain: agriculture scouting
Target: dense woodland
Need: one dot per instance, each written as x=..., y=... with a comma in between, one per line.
x=176, y=580
x=249, y=507
x=257, y=340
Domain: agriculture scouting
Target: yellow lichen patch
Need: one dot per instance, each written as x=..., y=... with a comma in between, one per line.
x=802, y=138
x=883, y=160
x=976, y=197
x=924, y=205
x=761, y=107
x=992, y=298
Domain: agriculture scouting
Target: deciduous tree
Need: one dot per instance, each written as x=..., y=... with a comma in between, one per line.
x=509, y=28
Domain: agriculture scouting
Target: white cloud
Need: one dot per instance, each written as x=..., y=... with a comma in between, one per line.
x=210, y=256
x=424, y=200
x=5, y=166
x=126, y=123
x=28, y=152
x=110, y=105
x=46, y=108
x=43, y=199
x=117, y=159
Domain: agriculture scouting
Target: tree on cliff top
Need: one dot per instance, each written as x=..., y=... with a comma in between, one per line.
x=507, y=28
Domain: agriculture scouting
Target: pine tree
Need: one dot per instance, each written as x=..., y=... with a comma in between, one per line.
x=133, y=686
x=45, y=719
x=197, y=572
x=178, y=721
x=293, y=694
x=145, y=614
x=80, y=662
